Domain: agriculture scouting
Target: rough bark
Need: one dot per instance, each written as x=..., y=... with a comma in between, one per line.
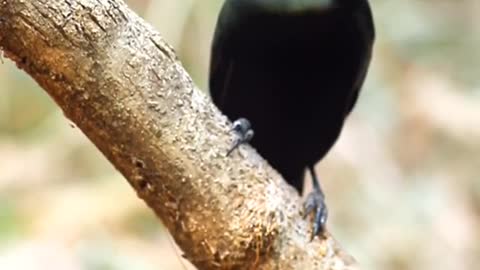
x=117, y=79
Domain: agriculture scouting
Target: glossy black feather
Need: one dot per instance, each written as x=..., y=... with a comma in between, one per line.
x=294, y=74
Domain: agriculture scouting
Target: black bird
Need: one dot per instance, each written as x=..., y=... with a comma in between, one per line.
x=294, y=69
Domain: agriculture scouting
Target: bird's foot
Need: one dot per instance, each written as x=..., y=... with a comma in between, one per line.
x=315, y=204
x=243, y=129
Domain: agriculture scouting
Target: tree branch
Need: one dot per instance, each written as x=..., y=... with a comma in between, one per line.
x=117, y=79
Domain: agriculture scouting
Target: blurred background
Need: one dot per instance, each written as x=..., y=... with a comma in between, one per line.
x=402, y=183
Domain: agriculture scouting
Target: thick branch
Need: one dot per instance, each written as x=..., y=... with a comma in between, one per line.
x=118, y=80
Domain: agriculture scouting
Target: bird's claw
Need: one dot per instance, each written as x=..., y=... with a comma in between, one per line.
x=315, y=203
x=243, y=129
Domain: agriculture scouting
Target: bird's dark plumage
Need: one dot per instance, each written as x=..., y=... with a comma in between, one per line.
x=294, y=68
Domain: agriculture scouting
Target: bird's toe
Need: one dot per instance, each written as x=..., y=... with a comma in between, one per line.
x=244, y=131
x=315, y=203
